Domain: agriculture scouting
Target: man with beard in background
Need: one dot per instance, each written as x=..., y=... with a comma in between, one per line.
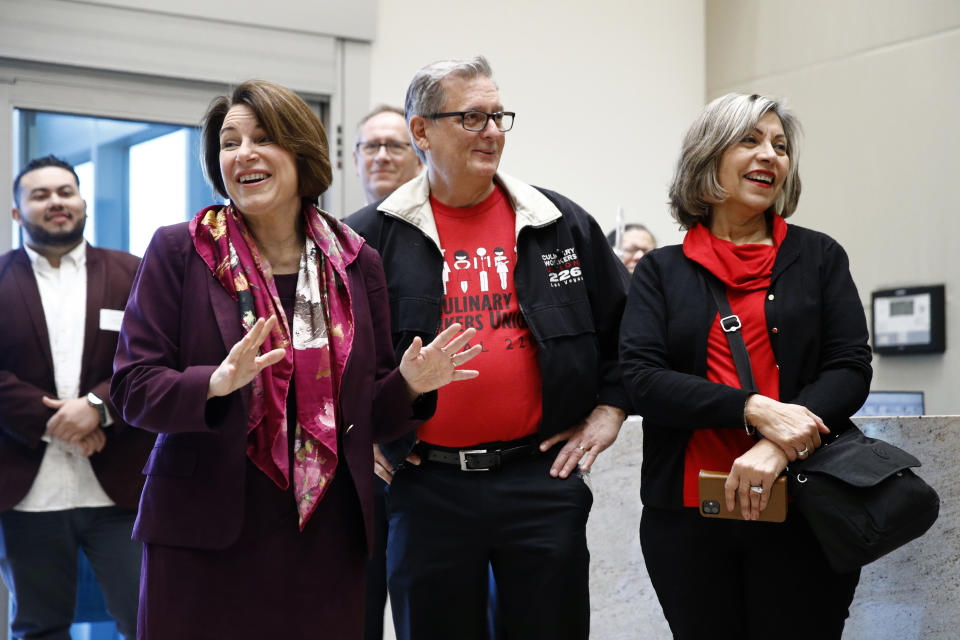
x=70, y=467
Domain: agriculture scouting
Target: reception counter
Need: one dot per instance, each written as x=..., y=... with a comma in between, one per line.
x=910, y=594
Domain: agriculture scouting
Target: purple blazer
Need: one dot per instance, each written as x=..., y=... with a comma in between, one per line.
x=178, y=327
x=26, y=375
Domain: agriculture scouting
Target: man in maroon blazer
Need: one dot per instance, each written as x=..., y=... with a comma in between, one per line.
x=70, y=469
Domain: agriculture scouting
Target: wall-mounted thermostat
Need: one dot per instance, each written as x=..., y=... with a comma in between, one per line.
x=909, y=320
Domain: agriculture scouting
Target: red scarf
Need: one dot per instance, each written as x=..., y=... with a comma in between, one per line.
x=317, y=341
x=745, y=267
x=746, y=271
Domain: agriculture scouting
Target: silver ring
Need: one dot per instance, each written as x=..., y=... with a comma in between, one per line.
x=582, y=448
x=805, y=451
x=756, y=489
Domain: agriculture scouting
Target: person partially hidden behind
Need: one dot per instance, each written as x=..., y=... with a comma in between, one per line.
x=635, y=242
x=383, y=155
x=70, y=466
x=384, y=159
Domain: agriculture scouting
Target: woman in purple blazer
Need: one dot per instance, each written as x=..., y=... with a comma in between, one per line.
x=256, y=342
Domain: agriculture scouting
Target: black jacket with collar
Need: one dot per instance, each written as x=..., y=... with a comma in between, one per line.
x=574, y=318
x=817, y=330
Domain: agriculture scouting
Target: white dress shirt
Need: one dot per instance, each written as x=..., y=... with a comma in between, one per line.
x=65, y=479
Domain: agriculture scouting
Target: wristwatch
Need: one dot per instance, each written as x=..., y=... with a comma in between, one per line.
x=94, y=401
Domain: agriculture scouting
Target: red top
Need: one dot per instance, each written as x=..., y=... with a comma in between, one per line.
x=479, y=255
x=745, y=270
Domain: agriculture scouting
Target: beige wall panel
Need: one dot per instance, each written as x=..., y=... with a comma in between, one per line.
x=354, y=19
x=602, y=90
x=350, y=104
x=879, y=165
x=158, y=44
x=753, y=38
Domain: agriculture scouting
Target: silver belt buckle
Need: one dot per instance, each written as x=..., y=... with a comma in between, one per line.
x=463, y=459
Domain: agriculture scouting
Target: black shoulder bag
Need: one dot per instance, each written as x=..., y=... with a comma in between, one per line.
x=858, y=494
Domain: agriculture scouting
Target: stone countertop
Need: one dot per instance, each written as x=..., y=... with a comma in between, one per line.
x=910, y=594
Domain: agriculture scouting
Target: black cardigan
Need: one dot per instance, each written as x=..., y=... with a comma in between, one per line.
x=817, y=330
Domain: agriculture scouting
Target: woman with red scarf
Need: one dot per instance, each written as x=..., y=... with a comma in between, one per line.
x=805, y=333
x=256, y=342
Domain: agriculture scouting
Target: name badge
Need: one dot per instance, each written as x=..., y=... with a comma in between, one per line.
x=111, y=319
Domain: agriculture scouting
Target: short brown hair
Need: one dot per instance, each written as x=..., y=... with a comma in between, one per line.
x=287, y=120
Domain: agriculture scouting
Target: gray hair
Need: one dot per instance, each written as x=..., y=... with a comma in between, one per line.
x=426, y=96
x=382, y=108
x=722, y=123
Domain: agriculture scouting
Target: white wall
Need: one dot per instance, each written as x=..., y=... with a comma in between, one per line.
x=602, y=90
x=876, y=84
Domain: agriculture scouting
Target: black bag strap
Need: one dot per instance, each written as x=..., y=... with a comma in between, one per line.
x=730, y=323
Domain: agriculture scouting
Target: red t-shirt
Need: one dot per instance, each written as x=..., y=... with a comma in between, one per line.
x=479, y=255
x=745, y=270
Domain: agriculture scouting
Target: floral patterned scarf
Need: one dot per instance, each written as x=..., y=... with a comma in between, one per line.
x=317, y=343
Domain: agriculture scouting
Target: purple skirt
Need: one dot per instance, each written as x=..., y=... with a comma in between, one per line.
x=274, y=582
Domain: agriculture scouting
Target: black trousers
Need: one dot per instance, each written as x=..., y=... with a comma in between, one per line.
x=447, y=526
x=38, y=560
x=743, y=580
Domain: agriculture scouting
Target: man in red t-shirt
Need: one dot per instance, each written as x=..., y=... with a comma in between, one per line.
x=497, y=475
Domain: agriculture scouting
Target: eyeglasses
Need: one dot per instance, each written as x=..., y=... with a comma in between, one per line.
x=477, y=120
x=395, y=149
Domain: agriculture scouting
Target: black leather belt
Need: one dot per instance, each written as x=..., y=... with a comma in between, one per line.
x=482, y=457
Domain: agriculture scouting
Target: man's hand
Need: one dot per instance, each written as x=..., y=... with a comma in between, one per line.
x=74, y=420
x=585, y=440
x=381, y=466
x=93, y=443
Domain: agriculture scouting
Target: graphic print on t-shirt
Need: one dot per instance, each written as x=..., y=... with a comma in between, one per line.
x=482, y=295
x=490, y=269
x=479, y=257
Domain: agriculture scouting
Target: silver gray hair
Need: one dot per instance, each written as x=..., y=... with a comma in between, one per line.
x=722, y=123
x=426, y=95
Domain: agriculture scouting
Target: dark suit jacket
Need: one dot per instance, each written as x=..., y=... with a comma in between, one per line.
x=178, y=327
x=26, y=375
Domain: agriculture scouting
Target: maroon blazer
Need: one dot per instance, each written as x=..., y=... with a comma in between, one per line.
x=26, y=375
x=178, y=327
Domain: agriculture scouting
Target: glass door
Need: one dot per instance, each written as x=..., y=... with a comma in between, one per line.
x=135, y=176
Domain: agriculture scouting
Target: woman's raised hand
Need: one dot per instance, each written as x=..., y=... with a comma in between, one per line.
x=792, y=427
x=429, y=367
x=243, y=363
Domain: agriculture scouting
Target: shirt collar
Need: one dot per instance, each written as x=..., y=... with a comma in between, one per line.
x=77, y=256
